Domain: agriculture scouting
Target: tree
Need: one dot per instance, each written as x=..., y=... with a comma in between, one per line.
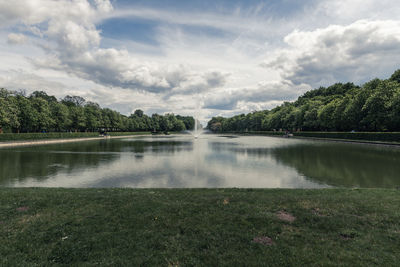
x=43, y=95
x=8, y=111
x=156, y=119
x=354, y=113
x=139, y=113
x=340, y=121
x=395, y=76
x=377, y=106
x=61, y=116
x=40, y=112
x=341, y=107
x=77, y=117
x=394, y=113
x=215, y=123
x=325, y=114
x=188, y=121
x=44, y=119
x=28, y=116
x=73, y=101
x=165, y=124
x=178, y=126
x=215, y=126
x=92, y=113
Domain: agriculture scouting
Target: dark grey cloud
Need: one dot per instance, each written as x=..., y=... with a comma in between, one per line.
x=222, y=103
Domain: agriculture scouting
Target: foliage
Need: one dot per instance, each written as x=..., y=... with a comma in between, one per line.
x=373, y=107
x=43, y=113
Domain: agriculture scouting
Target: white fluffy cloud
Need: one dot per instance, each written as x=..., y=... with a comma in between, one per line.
x=70, y=27
x=118, y=68
x=339, y=53
x=30, y=12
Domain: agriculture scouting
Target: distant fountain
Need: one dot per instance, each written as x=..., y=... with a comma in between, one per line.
x=198, y=129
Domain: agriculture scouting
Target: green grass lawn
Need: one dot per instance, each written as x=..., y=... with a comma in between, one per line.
x=9, y=137
x=209, y=227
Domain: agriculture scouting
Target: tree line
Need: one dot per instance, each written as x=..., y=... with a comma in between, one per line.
x=374, y=106
x=40, y=112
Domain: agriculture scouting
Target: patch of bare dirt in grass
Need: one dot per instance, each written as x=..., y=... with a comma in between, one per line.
x=226, y=201
x=263, y=240
x=22, y=209
x=285, y=216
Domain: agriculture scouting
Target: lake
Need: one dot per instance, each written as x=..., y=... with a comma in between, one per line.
x=210, y=161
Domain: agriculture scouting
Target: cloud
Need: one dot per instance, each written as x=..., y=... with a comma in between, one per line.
x=72, y=38
x=30, y=12
x=265, y=92
x=118, y=68
x=22, y=80
x=70, y=28
x=14, y=38
x=352, y=10
x=227, y=101
x=195, y=82
x=339, y=53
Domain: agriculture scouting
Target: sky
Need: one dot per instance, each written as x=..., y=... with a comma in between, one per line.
x=200, y=58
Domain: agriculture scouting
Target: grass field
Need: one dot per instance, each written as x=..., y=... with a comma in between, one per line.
x=363, y=137
x=209, y=227
x=7, y=137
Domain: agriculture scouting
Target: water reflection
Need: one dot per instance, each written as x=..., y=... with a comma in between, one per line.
x=344, y=164
x=210, y=161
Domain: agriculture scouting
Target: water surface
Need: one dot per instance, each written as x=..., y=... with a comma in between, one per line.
x=209, y=161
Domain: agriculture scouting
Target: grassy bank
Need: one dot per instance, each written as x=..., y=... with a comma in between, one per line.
x=206, y=227
x=7, y=137
x=359, y=136
x=383, y=137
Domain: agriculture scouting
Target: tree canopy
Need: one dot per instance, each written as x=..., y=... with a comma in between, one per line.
x=375, y=106
x=40, y=112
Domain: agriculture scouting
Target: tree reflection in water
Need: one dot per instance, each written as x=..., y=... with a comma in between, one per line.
x=211, y=161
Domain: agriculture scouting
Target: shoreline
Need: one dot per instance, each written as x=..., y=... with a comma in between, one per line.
x=353, y=141
x=82, y=139
x=60, y=141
